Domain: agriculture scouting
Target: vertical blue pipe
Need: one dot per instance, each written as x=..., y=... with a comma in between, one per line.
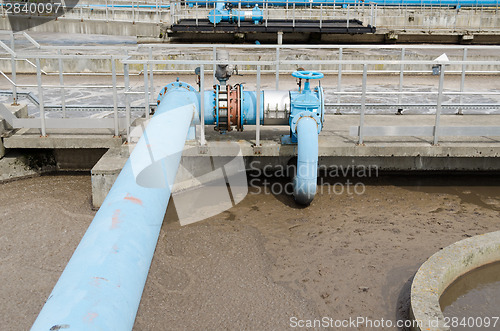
x=305, y=181
x=102, y=284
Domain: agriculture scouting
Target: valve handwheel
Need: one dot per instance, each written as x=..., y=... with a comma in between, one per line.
x=307, y=74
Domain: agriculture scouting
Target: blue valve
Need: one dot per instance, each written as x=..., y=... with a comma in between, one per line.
x=308, y=74
x=303, y=74
x=306, y=102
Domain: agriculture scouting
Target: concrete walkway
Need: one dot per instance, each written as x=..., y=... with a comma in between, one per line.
x=336, y=141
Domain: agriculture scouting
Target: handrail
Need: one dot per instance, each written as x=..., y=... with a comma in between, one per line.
x=140, y=59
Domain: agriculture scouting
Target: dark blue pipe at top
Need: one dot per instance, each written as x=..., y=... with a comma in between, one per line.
x=434, y=3
x=123, y=6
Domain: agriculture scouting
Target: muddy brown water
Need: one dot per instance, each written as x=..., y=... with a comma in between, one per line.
x=260, y=263
x=473, y=300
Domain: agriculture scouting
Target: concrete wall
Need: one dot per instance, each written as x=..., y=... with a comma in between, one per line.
x=438, y=20
x=69, y=159
x=20, y=111
x=116, y=28
x=109, y=166
x=404, y=20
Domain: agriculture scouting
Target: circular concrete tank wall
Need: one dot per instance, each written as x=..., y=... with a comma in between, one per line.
x=442, y=269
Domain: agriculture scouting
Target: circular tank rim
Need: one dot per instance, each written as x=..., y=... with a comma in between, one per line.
x=442, y=269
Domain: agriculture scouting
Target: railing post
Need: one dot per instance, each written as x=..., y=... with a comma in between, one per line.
x=172, y=12
x=293, y=15
x=146, y=90
x=363, y=107
x=40, y=96
x=115, y=97
x=157, y=9
x=267, y=12
x=481, y=18
x=320, y=16
x=214, y=58
x=462, y=83
x=203, y=142
x=61, y=82
x=348, y=7
x=151, y=69
x=277, y=68
x=126, y=83
x=401, y=74
x=133, y=11
x=13, y=64
x=371, y=14
x=239, y=11
x=439, y=101
x=404, y=16
x=339, y=80
x=257, y=111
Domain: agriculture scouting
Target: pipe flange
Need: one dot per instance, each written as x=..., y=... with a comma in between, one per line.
x=228, y=112
x=171, y=86
x=295, y=118
x=234, y=107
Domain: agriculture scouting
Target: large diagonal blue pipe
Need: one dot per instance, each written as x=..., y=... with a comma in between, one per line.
x=305, y=181
x=102, y=284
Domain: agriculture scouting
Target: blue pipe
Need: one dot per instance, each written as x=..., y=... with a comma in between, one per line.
x=298, y=3
x=219, y=14
x=248, y=107
x=102, y=284
x=304, y=182
x=123, y=6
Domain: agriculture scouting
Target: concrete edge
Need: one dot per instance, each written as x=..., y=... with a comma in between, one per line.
x=442, y=269
x=19, y=111
x=15, y=166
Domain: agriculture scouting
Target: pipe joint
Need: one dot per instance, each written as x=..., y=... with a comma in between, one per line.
x=294, y=120
x=177, y=91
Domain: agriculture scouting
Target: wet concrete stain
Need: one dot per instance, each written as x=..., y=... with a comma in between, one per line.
x=481, y=191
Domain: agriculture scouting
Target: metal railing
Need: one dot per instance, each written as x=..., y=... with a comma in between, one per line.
x=151, y=60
